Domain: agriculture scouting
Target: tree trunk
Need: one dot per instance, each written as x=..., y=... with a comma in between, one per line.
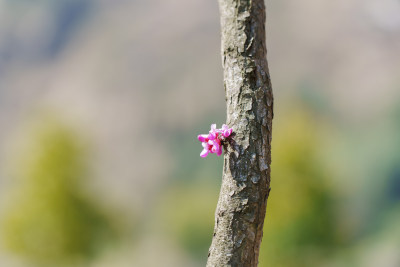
x=240, y=213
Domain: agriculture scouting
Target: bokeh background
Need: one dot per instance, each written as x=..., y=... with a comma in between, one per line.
x=101, y=102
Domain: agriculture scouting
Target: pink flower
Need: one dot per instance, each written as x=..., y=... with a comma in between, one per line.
x=203, y=137
x=217, y=148
x=206, y=149
x=213, y=132
x=226, y=131
x=212, y=142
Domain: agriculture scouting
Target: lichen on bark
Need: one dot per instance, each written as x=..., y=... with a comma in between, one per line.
x=240, y=212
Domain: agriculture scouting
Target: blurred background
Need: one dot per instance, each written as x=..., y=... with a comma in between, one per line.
x=101, y=102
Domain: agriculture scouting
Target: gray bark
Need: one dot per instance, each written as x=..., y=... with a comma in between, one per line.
x=240, y=212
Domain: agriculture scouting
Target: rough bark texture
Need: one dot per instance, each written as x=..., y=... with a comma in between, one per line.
x=240, y=213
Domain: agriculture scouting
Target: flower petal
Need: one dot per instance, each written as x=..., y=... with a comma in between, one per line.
x=204, y=153
x=227, y=132
x=202, y=137
x=219, y=151
x=212, y=135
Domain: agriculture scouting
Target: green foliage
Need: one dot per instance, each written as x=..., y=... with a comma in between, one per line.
x=299, y=227
x=187, y=212
x=49, y=220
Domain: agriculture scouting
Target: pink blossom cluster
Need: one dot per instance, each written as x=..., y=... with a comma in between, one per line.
x=212, y=142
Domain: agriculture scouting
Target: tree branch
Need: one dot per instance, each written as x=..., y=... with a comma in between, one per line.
x=240, y=212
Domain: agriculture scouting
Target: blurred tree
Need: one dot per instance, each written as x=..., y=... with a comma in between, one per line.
x=191, y=221
x=242, y=203
x=50, y=221
x=300, y=223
